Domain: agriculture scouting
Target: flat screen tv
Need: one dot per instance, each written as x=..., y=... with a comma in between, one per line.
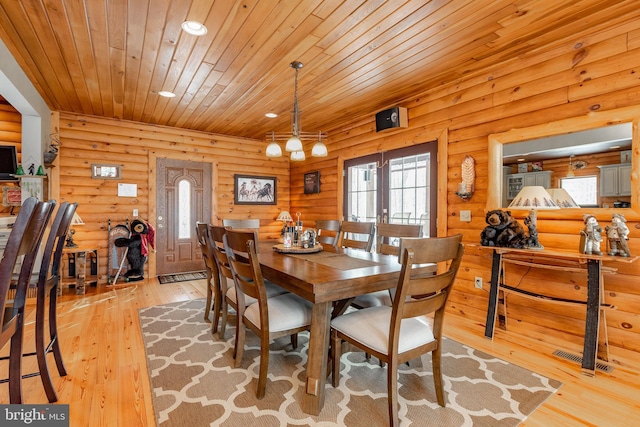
x=8, y=162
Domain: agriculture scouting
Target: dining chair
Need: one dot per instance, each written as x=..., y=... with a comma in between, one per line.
x=387, y=242
x=424, y=221
x=404, y=331
x=226, y=282
x=24, y=241
x=48, y=286
x=400, y=218
x=357, y=235
x=242, y=224
x=213, y=288
x=328, y=231
x=268, y=317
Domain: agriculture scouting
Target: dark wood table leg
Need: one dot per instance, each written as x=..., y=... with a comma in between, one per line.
x=313, y=398
x=492, y=308
x=592, y=324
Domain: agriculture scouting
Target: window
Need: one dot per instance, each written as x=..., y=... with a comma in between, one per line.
x=184, y=209
x=583, y=189
x=396, y=186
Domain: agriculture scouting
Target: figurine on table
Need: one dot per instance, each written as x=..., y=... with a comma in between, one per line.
x=618, y=234
x=592, y=235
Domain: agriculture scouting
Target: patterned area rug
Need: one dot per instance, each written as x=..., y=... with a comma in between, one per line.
x=182, y=277
x=194, y=383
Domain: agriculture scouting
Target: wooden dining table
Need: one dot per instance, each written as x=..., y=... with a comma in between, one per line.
x=327, y=279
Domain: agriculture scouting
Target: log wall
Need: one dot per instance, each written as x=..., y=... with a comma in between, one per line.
x=573, y=78
x=87, y=140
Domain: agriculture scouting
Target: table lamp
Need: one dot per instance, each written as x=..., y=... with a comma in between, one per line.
x=533, y=198
x=562, y=198
x=285, y=217
x=75, y=221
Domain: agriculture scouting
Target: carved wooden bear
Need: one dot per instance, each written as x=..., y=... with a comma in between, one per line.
x=503, y=230
x=135, y=255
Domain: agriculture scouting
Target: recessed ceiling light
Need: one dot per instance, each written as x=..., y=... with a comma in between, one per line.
x=614, y=147
x=520, y=160
x=271, y=115
x=194, y=27
x=166, y=94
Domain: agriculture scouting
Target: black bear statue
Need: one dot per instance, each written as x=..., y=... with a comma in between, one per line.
x=137, y=252
x=503, y=230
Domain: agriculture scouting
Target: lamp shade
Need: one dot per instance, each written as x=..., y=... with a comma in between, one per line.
x=284, y=216
x=293, y=144
x=533, y=197
x=319, y=150
x=76, y=220
x=562, y=198
x=298, y=156
x=273, y=150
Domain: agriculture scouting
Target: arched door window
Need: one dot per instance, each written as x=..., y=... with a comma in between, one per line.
x=184, y=209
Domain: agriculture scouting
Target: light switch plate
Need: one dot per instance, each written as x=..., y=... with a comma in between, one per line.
x=465, y=216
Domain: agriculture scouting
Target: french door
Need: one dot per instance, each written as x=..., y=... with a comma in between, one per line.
x=397, y=186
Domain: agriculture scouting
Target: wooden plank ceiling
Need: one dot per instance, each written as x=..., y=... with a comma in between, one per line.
x=111, y=58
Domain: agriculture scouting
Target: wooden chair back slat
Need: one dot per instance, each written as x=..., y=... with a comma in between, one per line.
x=386, y=234
x=352, y=229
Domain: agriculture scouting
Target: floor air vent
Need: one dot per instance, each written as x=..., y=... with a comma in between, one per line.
x=575, y=358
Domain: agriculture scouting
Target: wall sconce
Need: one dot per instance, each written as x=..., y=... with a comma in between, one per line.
x=466, y=187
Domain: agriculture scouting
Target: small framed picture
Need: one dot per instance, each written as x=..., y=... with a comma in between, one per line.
x=312, y=182
x=536, y=166
x=523, y=167
x=106, y=171
x=255, y=190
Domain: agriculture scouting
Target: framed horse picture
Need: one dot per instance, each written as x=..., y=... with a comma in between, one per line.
x=255, y=190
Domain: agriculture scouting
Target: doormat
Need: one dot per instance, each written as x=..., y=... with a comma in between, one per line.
x=182, y=277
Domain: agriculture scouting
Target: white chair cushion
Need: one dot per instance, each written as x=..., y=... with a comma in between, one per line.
x=287, y=311
x=373, y=299
x=271, y=288
x=370, y=326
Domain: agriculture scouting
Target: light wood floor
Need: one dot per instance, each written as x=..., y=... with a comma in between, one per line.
x=108, y=384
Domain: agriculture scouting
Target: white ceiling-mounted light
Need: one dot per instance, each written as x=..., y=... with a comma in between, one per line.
x=319, y=149
x=194, y=28
x=297, y=156
x=295, y=138
x=271, y=115
x=293, y=144
x=273, y=149
x=166, y=94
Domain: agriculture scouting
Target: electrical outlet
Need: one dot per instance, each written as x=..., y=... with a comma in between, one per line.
x=135, y=212
x=478, y=282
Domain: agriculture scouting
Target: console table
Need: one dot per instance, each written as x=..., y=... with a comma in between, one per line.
x=77, y=268
x=595, y=342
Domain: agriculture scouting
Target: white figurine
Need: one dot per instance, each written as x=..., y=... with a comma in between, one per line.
x=618, y=234
x=592, y=235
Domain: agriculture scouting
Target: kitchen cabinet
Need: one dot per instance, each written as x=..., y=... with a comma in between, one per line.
x=615, y=180
x=516, y=181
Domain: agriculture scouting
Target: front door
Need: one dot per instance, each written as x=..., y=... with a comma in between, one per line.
x=183, y=198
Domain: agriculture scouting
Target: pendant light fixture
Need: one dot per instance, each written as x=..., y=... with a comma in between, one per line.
x=295, y=138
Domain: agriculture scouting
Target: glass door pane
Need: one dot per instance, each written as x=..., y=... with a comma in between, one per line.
x=362, y=192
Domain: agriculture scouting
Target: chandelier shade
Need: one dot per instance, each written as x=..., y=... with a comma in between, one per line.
x=273, y=149
x=294, y=140
x=298, y=156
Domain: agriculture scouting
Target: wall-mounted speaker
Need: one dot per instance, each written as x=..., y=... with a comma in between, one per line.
x=392, y=118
